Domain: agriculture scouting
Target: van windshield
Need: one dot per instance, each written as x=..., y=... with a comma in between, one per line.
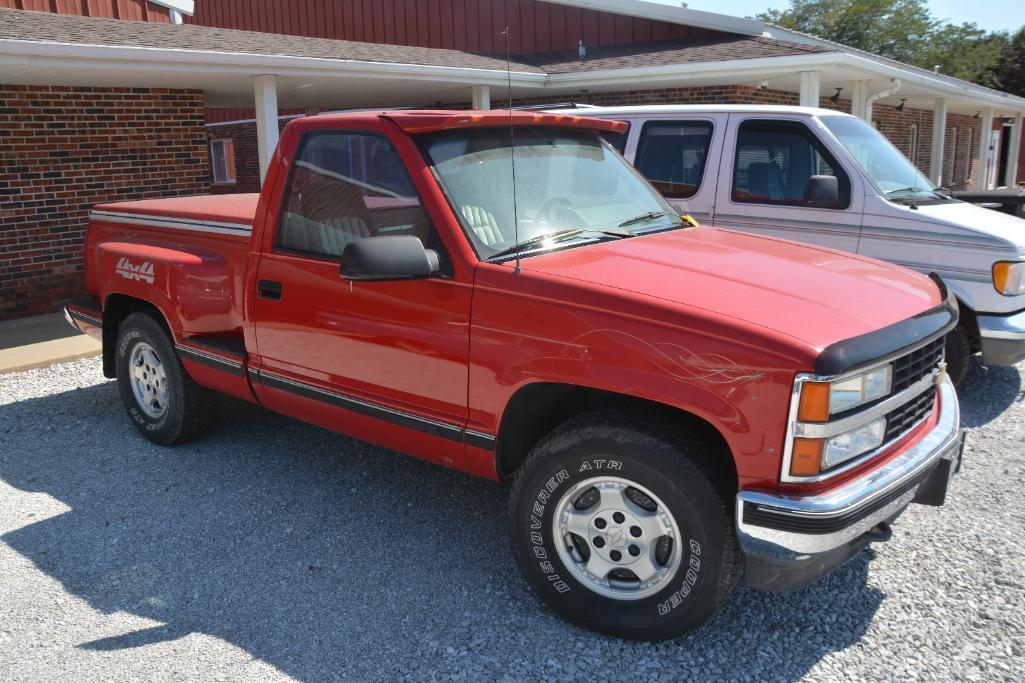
x=893, y=175
x=571, y=189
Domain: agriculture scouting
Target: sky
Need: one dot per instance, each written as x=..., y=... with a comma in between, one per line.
x=991, y=15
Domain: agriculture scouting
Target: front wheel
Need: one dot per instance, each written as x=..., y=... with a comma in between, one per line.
x=620, y=528
x=163, y=402
x=958, y=354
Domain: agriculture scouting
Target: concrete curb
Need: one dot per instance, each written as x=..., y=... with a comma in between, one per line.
x=39, y=342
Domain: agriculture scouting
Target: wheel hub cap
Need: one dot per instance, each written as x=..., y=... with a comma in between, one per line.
x=617, y=538
x=149, y=380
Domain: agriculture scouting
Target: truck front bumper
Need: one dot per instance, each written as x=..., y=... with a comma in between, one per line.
x=1003, y=338
x=790, y=541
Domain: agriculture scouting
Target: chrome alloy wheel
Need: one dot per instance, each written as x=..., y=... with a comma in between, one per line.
x=617, y=538
x=149, y=380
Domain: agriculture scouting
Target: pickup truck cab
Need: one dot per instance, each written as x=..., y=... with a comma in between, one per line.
x=675, y=405
x=829, y=178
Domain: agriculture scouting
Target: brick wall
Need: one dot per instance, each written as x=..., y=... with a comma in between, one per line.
x=64, y=149
x=247, y=157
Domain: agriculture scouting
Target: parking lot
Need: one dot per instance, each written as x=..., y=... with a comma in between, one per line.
x=275, y=550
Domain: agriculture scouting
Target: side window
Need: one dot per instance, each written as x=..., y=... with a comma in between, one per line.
x=344, y=187
x=671, y=155
x=617, y=140
x=775, y=159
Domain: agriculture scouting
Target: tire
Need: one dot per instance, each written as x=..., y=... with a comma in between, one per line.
x=607, y=451
x=163, y=402
x=958, y=352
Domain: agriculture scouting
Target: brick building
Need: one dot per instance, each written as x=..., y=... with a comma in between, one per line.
x=104, y=100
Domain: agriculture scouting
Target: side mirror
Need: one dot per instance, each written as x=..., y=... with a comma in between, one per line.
x=388, y=257
x=822, y=191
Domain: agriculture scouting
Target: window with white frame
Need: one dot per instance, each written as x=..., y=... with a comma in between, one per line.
x=222, y=160
x=951, y=176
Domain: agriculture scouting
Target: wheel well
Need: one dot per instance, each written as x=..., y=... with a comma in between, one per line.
x=537, y=409
x=969, y=321
x=115, y=309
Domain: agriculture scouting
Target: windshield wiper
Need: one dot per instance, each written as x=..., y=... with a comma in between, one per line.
x=905, y=189
x=944, y=192
x=558, y=236
x=650, y=215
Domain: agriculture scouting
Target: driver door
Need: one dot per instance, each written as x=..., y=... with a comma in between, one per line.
x=765, y=169
x=385, y=361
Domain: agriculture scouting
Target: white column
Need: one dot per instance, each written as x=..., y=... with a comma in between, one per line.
x=985, y=135
x=1014, y=151
x=859, y=94
x=481, y=97
x=939, y=134
x=265, y=91
x=810, y=82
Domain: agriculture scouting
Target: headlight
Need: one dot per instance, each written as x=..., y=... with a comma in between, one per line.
x=1009, y=277
x=811, y=457
x=819, y=400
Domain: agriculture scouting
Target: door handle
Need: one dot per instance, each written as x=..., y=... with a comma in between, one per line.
x=269, y=289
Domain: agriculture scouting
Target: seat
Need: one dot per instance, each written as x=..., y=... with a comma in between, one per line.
x=335, y=233
x=764, y=179
x=483, y=224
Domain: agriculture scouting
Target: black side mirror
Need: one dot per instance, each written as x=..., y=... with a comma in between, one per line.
x=822, y=191
x=388, y=257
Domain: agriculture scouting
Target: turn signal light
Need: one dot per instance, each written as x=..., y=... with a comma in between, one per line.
x=806, y=457
x=814, y=402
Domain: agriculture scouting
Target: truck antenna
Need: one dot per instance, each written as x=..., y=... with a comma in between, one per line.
x=512, y=144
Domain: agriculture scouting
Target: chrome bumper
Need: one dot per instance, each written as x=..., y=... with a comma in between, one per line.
x=793, y=530
x=1003, y=338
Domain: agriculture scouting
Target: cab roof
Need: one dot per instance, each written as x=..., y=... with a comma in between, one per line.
x=424, y=121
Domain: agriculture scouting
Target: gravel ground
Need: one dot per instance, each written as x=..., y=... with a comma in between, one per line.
x=274, y=550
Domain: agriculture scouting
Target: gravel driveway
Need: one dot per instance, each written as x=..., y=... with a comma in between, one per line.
x=274, y=550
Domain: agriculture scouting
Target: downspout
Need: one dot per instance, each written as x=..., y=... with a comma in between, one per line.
x=878, y=96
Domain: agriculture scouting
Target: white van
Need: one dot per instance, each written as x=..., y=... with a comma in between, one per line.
x=829, y=178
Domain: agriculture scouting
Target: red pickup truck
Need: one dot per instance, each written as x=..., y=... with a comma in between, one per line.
x=676, y=406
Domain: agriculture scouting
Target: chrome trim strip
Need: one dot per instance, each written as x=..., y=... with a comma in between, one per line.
x=209, y=359
x=237, y=229
x=851, y=497
x=70, y=314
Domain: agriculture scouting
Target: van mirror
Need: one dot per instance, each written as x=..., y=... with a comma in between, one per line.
x=822, y=191
x=388, y=257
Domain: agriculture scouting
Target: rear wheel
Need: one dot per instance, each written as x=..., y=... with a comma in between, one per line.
x=163, y=402
x=620, y=528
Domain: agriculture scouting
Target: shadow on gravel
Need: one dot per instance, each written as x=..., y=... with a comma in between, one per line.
x=987, y=392
x=327, y=558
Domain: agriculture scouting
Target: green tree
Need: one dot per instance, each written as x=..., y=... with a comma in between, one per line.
x=904, y=30
x=1009, y=72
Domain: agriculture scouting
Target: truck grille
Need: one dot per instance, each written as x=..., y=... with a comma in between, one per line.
x=900, y=420
x=912, y=367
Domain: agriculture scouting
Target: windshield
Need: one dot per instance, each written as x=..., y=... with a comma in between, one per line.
x=891, y=172
x=567, y=181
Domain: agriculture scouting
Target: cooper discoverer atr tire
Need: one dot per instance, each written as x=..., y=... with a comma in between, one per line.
x=163, y=402
x=620, y=527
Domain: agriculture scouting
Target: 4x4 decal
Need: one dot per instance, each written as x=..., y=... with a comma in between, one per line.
x=143, y=272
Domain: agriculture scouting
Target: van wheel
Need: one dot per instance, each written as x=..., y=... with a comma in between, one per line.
x=958, y=354
x=620, y=528
x=163, y=402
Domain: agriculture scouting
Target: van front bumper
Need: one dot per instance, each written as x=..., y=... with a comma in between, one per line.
x=1002, y=338
x=789, y=541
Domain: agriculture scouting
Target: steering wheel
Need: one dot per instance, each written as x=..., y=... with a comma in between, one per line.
x=548, y=212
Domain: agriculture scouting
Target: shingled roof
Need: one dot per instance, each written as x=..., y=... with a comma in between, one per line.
x=682, y=51
x=57, y=28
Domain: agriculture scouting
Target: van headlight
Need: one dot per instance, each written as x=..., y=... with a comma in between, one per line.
x=819, y=400
x=1009, y=277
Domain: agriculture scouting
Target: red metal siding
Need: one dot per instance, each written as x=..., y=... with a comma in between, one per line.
x=136, y=10
x=473, y=25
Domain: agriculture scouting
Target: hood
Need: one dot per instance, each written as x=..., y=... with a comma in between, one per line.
x=815, y=295
x=972, y=218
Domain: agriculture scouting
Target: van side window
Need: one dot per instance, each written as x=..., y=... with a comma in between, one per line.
x=671, y=155
x=774, y=161
x=617, y=140
x=344, y=187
